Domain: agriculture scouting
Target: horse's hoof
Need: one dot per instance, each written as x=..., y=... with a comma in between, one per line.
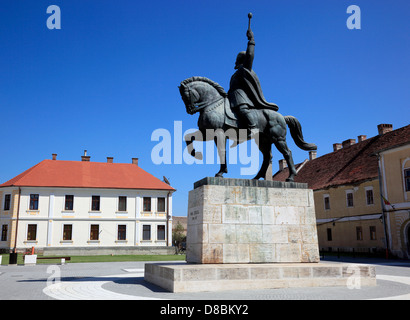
x=219, y=175
x=289, y=180
x=198, y=155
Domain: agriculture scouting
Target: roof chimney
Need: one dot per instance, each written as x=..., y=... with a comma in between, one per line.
x=54, y=156
x=384, y=128
x=312, y=155
x=282, y=164
x=85, y=157
x=110, y=159
x=135, y=161
x=337, y=146
x=361, y=138
x=348, y=142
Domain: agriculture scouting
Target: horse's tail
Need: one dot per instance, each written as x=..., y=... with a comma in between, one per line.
x=296, y=132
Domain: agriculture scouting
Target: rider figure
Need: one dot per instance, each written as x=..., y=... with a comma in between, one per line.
x=245, y=92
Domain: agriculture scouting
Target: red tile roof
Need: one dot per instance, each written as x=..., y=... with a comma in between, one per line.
x=349, y=165
x=85, y=174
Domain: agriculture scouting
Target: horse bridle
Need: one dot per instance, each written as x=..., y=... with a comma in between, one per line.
x=191, y=109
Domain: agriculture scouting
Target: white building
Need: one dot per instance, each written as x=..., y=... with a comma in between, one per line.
x=81, y=204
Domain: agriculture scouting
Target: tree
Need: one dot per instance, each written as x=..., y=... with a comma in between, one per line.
x=178, y=235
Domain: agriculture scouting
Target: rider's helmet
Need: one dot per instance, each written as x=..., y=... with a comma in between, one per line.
x=240, y=59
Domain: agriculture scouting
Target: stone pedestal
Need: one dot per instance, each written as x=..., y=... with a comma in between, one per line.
x=247, y=221
x=181, y=277
x=247, y=234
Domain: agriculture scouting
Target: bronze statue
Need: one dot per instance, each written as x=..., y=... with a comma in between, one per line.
x=242, y=108
x=245, y=92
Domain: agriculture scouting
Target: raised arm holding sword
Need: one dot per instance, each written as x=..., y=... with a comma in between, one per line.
x=245, y=91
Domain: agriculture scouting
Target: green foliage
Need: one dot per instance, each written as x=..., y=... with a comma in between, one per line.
x=178, y=235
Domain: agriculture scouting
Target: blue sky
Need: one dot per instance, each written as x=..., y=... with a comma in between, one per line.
x=108, y=78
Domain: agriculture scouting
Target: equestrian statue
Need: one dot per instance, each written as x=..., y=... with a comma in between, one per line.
x=243, y=108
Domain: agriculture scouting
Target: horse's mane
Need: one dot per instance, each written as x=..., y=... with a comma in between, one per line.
x=218, y=87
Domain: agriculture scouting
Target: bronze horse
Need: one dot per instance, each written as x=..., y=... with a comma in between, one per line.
x=205, y=96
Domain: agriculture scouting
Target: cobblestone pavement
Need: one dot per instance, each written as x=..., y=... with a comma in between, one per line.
x=125, y=281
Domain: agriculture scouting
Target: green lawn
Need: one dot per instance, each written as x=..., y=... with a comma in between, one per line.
x=107, y=258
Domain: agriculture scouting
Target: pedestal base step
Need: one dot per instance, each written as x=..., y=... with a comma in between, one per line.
x=183, y=277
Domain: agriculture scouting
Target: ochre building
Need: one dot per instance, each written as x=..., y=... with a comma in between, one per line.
x=362, y=193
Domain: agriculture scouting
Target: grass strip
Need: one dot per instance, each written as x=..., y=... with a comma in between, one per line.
x=102, y=258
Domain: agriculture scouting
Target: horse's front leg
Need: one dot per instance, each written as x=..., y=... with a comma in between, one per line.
x=189, y=140
x=220, y=141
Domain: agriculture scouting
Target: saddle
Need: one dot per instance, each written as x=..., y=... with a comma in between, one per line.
x=233, y=120
x=231, y=117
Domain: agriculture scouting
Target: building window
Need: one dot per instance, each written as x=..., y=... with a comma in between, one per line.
x=359, y=233
x=407, y=179
x=95, y=203
x=161, y=204
x=94, y=232
x=147, y=204
x=4, y=230
x=146, y=232
x=326, y=200
x=349, y=199
x=329, y=234
x=122, y=232
x=69, y=202
x=68, y=232
x=122, y=203
x=33, y=202
x=372, y=233
x=369, y=197
x=31, y=232
x=7, y=200
x=161, y=232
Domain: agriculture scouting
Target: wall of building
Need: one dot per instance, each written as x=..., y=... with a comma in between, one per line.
x=8, y=217
x=51, y=216
x=393, y=163
x=343, y=220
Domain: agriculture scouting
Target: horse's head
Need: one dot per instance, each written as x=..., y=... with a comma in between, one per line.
x=190, y=96
x=196, y=92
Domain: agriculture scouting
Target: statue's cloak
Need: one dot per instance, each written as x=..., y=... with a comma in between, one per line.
x=246, y=81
